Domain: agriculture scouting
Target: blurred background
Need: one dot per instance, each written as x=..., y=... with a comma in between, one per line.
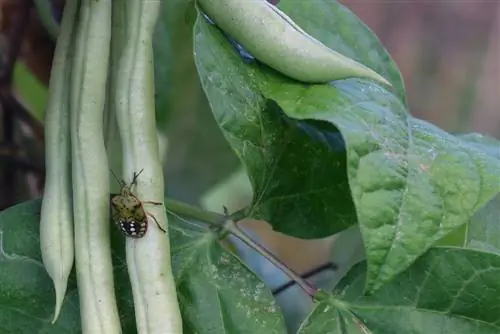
x=447, y=51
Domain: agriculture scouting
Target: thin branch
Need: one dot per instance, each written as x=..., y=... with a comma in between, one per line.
x=231, y=227
x=224, y=225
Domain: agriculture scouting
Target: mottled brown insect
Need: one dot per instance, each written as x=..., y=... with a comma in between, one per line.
x=128, y=211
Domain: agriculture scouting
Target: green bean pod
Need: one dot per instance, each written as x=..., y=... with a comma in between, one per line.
x=275, y=40
x=148, y=258
x=56, y=221
x=94, y=269
x=112, y=138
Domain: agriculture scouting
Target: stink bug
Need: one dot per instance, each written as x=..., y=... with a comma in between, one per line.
x=128, y=211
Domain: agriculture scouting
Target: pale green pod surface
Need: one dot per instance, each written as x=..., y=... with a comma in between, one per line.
x=90, y=179
x=275, y=40
x=148, y=258
x=56, y=221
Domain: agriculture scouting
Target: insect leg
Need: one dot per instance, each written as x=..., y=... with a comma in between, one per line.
x=156, y=221
x=153, y=202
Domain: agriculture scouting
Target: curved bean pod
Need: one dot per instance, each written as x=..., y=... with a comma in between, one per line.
x=94, y=269
x=148, y=258
x=275, y=40
x=56, y=223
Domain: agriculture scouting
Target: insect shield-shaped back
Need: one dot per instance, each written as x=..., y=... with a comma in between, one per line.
x=128, y=212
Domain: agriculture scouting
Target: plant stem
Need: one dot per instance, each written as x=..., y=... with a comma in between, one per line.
x=193, y=212
x=225, y=225
x=231, y=227
x=238, y=215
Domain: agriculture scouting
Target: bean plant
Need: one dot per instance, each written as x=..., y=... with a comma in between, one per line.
x=315, y=110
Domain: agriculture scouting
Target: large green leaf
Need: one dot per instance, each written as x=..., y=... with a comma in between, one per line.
x=448, y=290
x=411, y=182
x=26, y=294
x=483, y=229
x=295, y=180
x=217, y=293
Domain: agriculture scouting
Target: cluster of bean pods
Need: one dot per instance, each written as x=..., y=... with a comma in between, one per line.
x=102, y=73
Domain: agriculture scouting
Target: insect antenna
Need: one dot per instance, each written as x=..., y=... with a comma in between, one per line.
x=120, y=182
x=136, y=175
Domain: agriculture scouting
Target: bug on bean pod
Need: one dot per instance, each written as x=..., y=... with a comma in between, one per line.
x=128, y=211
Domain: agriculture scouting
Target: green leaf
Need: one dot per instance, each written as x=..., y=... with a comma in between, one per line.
x=485, y=144
x=455, y=238
x=448, y=290
x=217, y=293
x=326, y=319
x=295, y=180
x=26, y=294
x=411, y=182
x=484, y=228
